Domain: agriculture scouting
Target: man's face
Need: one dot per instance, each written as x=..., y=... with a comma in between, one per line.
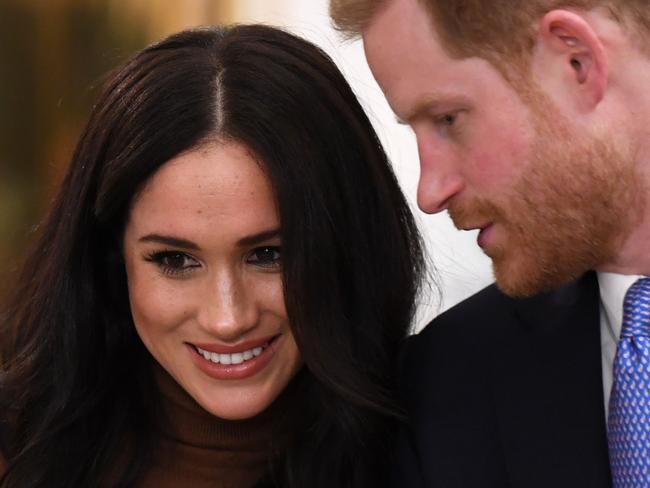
x=551, y=200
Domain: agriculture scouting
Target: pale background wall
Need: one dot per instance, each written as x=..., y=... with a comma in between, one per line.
x=461, y=267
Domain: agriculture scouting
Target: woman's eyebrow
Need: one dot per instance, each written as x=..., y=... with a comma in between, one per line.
x=170, y=241
x=185, y=244
x=259, y=237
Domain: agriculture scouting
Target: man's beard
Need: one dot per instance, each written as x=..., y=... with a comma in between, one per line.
x=571, y=210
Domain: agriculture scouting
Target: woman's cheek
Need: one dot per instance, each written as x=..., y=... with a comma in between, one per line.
x=159, y=305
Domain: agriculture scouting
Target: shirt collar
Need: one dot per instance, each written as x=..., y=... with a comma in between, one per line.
x=613, y=288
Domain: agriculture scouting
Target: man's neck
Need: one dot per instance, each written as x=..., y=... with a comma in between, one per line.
x=634, y=255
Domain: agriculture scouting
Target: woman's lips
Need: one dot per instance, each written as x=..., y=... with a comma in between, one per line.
x=234, y=362
x=234, y=348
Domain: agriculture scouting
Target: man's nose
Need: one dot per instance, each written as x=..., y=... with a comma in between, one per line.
x=229, y=310
x=440, y=178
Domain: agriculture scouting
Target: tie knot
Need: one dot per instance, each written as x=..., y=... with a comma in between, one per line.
x=636, y=309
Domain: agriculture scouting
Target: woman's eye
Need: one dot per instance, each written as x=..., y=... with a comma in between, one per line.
x=174, y=262
x=266, y=257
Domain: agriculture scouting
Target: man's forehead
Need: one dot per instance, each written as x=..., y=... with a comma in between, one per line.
x=399, y=43
x=397, y=16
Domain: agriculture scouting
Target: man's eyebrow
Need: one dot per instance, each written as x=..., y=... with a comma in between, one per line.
x=428, y=103
x=170, y=241
x=259, y=237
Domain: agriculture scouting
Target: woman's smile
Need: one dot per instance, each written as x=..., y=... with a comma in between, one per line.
x=236, y=362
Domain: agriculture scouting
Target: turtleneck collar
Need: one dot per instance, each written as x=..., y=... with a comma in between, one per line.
x=185, y=421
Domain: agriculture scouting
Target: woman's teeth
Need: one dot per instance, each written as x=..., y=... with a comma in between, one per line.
x=234, y=358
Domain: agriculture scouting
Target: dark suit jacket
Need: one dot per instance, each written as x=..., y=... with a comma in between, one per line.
x=507, y=393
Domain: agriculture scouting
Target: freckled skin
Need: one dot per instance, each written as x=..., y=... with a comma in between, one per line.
x=212, y=197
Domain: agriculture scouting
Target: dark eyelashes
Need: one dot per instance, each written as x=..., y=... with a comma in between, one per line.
x=176, y=263
x=172, y=262
x=158, y=256
x=265, y=257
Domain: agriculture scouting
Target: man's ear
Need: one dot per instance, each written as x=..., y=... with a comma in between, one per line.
x=570, y=57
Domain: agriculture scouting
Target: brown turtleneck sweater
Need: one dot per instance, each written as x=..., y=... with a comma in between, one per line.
x=200, y=450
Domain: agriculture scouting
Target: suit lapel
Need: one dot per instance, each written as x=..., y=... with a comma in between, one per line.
x=548, y=391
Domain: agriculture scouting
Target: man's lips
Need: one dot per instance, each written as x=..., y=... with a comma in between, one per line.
x=471, y=227
x=484, y=234
x=485, y=230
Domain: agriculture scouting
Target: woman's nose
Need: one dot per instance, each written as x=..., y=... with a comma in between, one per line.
x=229, y=309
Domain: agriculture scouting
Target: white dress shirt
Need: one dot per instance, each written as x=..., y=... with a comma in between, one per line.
x=613, y=288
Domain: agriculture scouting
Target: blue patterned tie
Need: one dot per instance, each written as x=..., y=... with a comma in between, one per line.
x=629, y=404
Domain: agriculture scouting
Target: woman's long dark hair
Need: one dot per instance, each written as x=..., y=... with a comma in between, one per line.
x=74, y=384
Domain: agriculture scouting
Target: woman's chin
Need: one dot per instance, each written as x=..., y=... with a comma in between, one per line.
x=235, y=408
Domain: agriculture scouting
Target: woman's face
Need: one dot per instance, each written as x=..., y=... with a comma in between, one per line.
x=202, y=253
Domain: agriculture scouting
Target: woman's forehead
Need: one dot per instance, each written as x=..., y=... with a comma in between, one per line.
x=212, y=187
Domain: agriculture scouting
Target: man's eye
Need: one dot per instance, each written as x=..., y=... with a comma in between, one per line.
x=173, y=262
x=448, y=119
x=266, y=257
x=450, y=124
